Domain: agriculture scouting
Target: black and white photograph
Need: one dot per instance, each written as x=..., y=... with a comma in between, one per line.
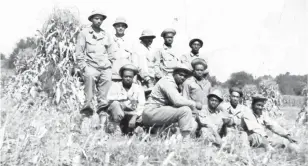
x=154, y=83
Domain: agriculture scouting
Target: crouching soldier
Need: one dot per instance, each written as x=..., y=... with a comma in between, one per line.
x=210, y=119
x=255, y=123
x=166, y=105
x=126, y=101
x=235, y=111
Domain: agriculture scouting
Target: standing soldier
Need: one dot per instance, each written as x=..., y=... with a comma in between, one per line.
x=92, y=50
x=197, y=87
x=195, y=45
x=121, y=47
x=142, y=56
x=165, y=59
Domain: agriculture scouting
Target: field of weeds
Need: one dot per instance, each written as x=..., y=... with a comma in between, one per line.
x=36, y=132
x=40, y=108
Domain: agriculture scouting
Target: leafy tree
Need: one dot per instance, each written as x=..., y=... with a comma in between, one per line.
x=29, y=42
x=291, y=84
x=213, y=80
x=240, y=79
x=2, y=56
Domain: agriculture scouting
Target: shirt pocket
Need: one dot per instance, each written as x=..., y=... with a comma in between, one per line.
x=169, y=60
x=91, y=45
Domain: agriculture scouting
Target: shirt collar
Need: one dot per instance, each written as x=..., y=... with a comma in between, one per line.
x=192, y=55
x=119, y=38
x=145, y=46
x=166, y=47
x=91, y=30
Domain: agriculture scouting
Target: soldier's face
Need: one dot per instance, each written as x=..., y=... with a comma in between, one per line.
x=179, y=77
x=196, y=46
x=168, y=38
x=128, y=77
x=234, y=98
x=258, y=107
x=97, y=20
x=120, y=28
x=199, y=71
x=147, y=41
x=213, y=102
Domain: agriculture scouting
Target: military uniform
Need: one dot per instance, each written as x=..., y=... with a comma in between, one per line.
x=94, y=58
x=121, y=49
x=166, y=106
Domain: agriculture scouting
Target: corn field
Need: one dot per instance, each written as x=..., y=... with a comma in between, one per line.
x=40, y=108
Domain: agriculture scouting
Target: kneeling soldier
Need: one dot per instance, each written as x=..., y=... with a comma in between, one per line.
x=126, y=101
x=166, y=105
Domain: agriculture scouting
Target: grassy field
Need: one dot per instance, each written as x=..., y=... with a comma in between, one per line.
x=38, y=133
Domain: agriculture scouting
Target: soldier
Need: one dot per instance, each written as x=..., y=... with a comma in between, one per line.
x=234, y=108
x=196, y=87
x=166, y=105
x=165, y=59
x=143, y=57
x=255, y=123
x=92, y=51
x=211, y=118
x=195, y=45
x=121, y=47
x=126, y=101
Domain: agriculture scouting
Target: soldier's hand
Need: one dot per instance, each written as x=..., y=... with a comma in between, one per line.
x=132, y=122
x=198, y=106
x=150, y=83
x=228, y=121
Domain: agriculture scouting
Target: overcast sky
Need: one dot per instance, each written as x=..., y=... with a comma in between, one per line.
x=257, y=36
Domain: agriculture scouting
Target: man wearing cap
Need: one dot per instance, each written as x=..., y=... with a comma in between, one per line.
x=197, y=87
x=234, y=108
x=143, y=58
x=94, y=58
x=166, y=105
x=165, y=59
x=121, y=47
x=126, y=101
x=211, y=118
x=255, y=123
x=195, y=45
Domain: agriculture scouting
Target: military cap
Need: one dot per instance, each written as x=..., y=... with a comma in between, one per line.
x=128, y=67
x=216, y=93
x=97, y=12
x=182, y=67
x=168, y=30
x=258, y=97
x=147, y=33
x=198, y=61
x=120, y=20
x=196, y=39
x=236, y=89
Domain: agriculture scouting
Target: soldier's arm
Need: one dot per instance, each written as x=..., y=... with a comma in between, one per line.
x=275, y=128
x=186, y=89
x=141, y=102
x=110, y=49
x=80, y=50
x=156, y=61
x=175, y=97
